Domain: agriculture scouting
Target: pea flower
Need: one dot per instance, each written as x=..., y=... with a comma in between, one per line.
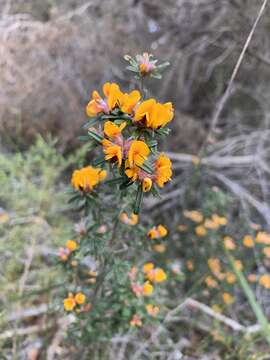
x=87, y=178
x=157, y=232
x=152, y=310
x=153, y=115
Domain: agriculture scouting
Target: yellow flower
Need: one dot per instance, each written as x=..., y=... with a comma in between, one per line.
x=265, y=281
x=200, y=230
x=160, y=248
x=69, y=303
x=238, y=264
x=210, y=282
x=152, y=310
x=146, y=184
x=162, y=231
x=230, y=278
x=266, y=251
x=163, y=170
x=112, y=151
x=147, y=288
x=210, y=224
x=152, y=114
x=248, y=241
x=227, y=298
x=138, y=153
x=263, y=238
x=71, y=245
x=215, y=267
x=220, y=220
x=87, y=178
x=98, y=105
x=80, y=298
x=129, y=101
x=229, y=243
x=157, y=275
x=135, y=321
x=132, y=220
x=157, y=232
x=147, y=267
x=193, y=215
x=112, y=130
x=190, y=265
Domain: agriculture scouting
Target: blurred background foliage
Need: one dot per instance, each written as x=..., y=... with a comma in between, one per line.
x=53, y=54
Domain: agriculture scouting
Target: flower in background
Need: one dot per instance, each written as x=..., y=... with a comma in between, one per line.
x=193, y=215
x=87, y=178
x=190, y=265
x=132, y=220
x=230, y=278
x=152, y=310
x=200, y=230
x=227, y=298
x=263, y=238
x=157, y=232
x=159, y=248
x=229, y=244
x=211, y=282
x=136, y=321
x=265, y=281
x=80, y=298
x=156, y=275
x=69, y=303
x=71, y=245
x=266, y=251
x=248, y=241
x=147, y=288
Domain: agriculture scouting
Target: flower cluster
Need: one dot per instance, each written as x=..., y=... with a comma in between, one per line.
x=142, y=285
x=75, y=302
x=127, y=127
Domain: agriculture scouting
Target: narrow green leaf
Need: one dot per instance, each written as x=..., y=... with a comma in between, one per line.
x=262, y=320
x=147, y=168
x=95, y=136
x=138, y=200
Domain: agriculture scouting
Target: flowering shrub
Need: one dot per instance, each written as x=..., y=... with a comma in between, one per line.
x=108, y=290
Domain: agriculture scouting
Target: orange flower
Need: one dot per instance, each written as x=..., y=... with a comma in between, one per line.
x=69, y=303
x=229, y=244
x=159, y=248
x=112, y=152
x=135, y=321
x=190, y=265
x=248, y=241
x=147, y=267
x=157, y=232
x=230, y=278
x=193, y=215
x=87, y=178
x=157, y=275
x=266, y=251
x=80, y=298
x=210, y=282
x=227, y=298
x=111, y=130
x=265, y=281
x=163, y=170
x=200, y=230
x=147, y=289
x=152, y=310
x=138, y=153
x=132, y=220
x=146, y=184
x=263, y=238
x=152, y=114
x=71, y=245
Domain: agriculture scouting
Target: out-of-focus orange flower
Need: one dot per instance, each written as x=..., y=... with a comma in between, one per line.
x=157, y=232
x=230, y=278
x=132, y=220
x=266, y=251
x=229, y=244
x=263, y=238
x=159, y=248
x=71, y=245
x=80, y=298
x=136, y=321
x=147, y=288
x=227, y=298
x=152, y=310
x=248, y=241
x=265, y=281
x=211, y=282
x=252, y=278
x=69, y=303
x=238, y=264
x=148, y=267
x=193, y=215
x=200, y=230
x=190, y=265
